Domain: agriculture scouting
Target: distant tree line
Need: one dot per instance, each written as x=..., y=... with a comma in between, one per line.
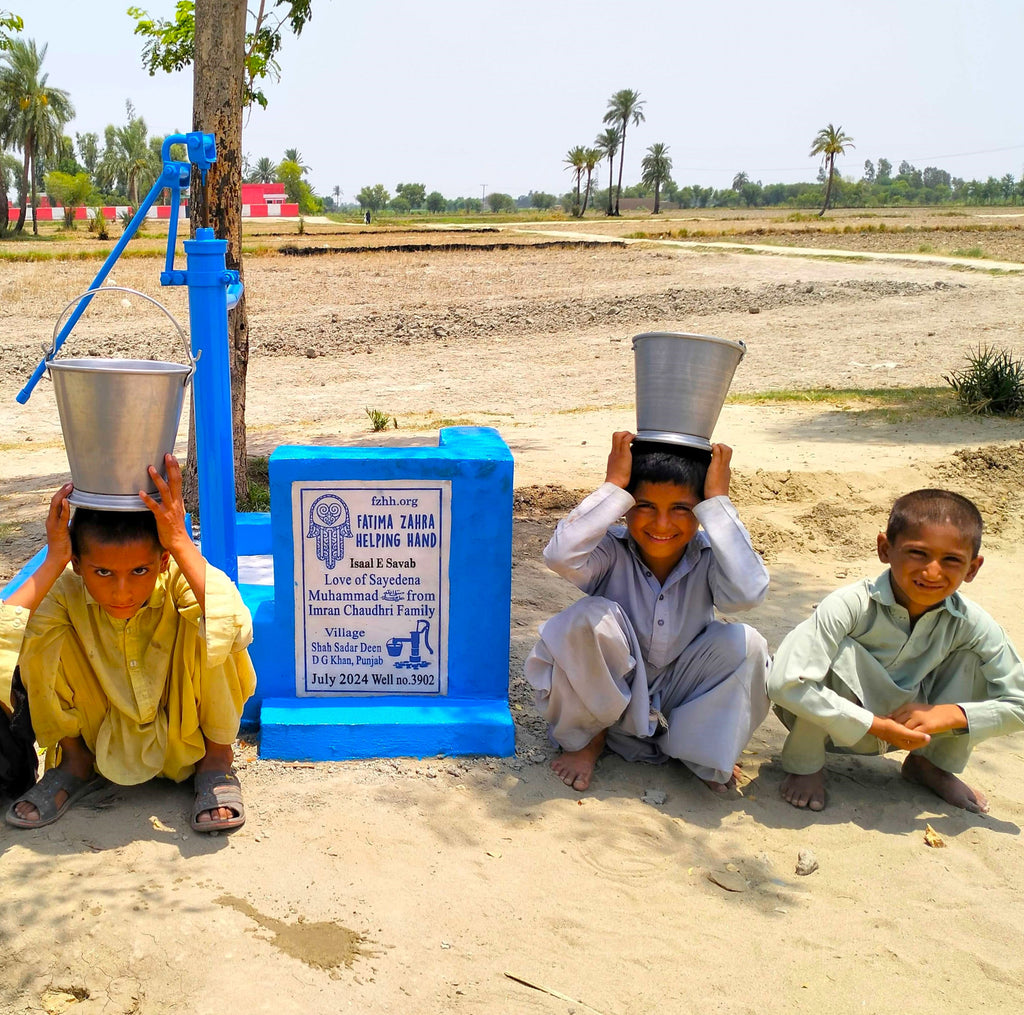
x=878, y=187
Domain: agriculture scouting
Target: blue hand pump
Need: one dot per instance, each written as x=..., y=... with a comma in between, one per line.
x=212, y=291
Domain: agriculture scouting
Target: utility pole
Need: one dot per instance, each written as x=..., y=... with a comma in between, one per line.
x=483, y=192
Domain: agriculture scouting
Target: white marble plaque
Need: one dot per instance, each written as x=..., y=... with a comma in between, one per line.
x=371, y=587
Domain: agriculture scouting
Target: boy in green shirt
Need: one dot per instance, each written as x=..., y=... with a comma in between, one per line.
x=903, y=661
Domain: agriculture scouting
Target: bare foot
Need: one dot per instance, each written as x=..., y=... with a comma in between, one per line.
x=75, y=758
x=805, y=790
x=944, y=784
x=575, y=768
x=722, y=788
x=218, y=758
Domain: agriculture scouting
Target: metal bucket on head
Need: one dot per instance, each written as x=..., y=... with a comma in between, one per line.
x=118, y=416
x=681, y=384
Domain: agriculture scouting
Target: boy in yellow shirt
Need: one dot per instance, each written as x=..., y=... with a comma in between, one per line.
x=133, y=659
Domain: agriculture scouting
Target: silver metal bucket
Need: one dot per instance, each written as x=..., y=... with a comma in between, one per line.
x=119, y=416
x=681, y=384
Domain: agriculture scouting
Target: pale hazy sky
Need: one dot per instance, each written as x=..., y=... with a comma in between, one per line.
x=459, y=95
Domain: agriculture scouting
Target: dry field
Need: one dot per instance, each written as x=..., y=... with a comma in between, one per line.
x=414, y=886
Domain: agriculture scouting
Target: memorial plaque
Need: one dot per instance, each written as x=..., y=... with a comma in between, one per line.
x=371, y=587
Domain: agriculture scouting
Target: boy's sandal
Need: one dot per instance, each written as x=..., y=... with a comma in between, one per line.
x=43, y=797
x=213, y=790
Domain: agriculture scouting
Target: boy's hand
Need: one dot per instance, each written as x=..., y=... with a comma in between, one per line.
x=620, y=459
x=58, y=552
x=895, y=733
x=717, y=482
x=58, y=539
x=930, y=718
x=169, y=511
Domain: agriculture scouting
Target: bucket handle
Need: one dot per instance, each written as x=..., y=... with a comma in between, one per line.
x=52, y=351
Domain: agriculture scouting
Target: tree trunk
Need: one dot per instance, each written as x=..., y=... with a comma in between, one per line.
x=35, y=212
x=657, y=198
x=22, y=197
x=828, y=186
x=217, y=90
x=5, y=207
x=611, y=181
x=622, y=158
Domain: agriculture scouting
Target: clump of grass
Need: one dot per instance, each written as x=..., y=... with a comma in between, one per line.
x=380, y=420
x=98, y=225
x=968, y=252
x=258, y=473
x=992, y=382
x=925, y=248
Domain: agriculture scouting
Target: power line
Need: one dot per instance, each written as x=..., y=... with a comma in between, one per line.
x=957, y=155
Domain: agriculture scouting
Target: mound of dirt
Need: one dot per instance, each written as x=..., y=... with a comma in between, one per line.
x=541, y=502
x=843, y=531
x=993, y=477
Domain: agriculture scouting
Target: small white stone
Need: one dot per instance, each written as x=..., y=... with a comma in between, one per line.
x=806, y=862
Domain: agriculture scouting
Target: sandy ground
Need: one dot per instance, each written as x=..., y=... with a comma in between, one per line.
x=417, y=886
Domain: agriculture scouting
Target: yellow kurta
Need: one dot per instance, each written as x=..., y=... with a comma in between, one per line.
x=140, y=692
x=12, y=629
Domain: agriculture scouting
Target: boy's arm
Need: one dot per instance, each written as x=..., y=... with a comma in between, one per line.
x=58, y=554
x=796, y=680
x=169, y=512
x=1000, y=707
x=737, y=576
x=575, y=551
x=807, y=653
x=225, y=620
x=28, y=597
x=225, y=624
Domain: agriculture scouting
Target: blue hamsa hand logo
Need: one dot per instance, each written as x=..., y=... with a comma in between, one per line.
x=329, y=526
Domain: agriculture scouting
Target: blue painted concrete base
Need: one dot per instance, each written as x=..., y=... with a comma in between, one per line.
x=265, y=660
x=311, y=729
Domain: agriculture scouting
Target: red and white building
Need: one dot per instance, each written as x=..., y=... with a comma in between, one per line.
x=266, y=200
x=259, y=200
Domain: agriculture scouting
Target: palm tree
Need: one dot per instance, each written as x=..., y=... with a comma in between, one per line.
x=591, y=157
x=607, y=143
x=128, y=161
x=656, y=168
x=830, y=142
x=294, y=155
x=9, y=22
x=265, y=171
x=575, y=159
x=623, y=106
x=32, y=113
